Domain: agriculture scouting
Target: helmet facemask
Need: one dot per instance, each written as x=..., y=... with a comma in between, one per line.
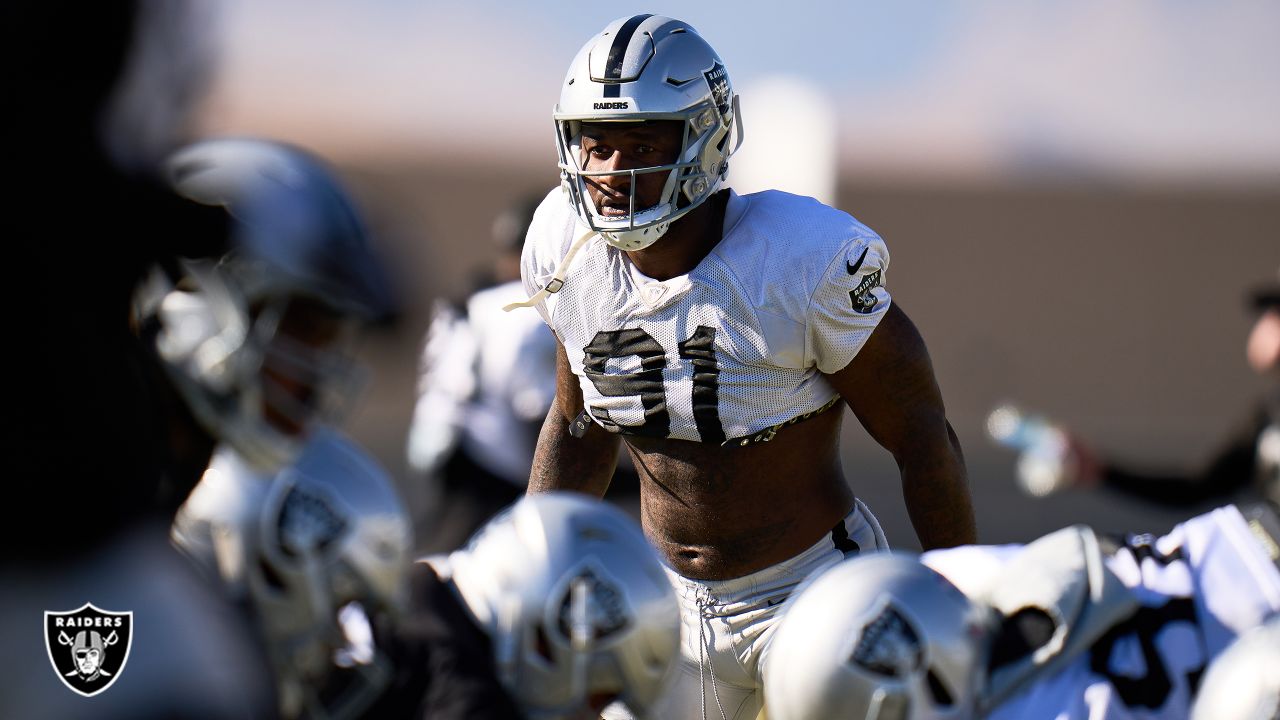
x=308, y=373
x=257, y=371
x=692, y=177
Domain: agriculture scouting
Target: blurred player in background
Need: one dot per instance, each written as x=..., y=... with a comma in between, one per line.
x=260, y=344
x=1072, y=626
x=1053, y=458
x=486, y=380
x=714, y=331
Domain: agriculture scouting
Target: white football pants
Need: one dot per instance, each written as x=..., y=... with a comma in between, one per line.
x=725, y=627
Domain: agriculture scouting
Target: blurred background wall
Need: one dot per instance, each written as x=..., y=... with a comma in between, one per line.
x=1076, y=195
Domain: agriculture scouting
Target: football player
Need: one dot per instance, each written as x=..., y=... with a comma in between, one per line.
x=716, y=334
x=299, y=524
x=317, y=553
x=259, y=342
x=486, y=379
x=1071, y=626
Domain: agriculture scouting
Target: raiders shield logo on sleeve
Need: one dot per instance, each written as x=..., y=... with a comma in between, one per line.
x=88, y=647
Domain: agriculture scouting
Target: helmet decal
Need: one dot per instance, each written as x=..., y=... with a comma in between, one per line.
x=888, y=645
x=718, y=84
x=308, y=522
x=593, y=607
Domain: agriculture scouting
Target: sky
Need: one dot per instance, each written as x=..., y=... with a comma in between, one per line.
x=1143, y=91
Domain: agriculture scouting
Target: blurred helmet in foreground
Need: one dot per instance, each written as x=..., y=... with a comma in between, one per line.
x=1243, y=683
x=576, y=603
x=316, y=550
x=880, y=637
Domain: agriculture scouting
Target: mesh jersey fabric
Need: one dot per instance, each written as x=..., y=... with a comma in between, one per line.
x=733, y=348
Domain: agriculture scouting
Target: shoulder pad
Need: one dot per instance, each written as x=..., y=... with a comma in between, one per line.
x=1062, y=574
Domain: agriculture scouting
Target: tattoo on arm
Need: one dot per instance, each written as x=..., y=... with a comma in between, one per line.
x=563, y=462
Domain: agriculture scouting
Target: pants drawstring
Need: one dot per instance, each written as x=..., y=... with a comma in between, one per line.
x=704, y=602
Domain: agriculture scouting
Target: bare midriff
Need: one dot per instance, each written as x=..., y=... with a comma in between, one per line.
x=719, y=512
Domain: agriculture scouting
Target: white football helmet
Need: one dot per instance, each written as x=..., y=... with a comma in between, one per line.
x=224, y=328
x=1243, y=682
x=877, y=637
x=575, y=601
x=315, y=550
x=648, y=67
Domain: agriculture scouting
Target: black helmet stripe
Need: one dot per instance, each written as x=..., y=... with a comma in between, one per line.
x=618, y=53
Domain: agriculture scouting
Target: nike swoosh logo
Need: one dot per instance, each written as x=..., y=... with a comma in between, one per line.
x=853, y=267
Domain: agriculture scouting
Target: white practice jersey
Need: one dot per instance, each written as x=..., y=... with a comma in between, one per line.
x=486, y=381
x=210, y=526
x=734, y=349
x=1199, y=586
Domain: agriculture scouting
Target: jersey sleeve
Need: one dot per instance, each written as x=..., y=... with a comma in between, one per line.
x=847, y=304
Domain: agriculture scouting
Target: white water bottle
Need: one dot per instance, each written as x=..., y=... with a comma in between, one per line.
x=1042, y=448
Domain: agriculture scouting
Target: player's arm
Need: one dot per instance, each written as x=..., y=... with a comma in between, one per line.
x=565, y=462
x=891, y=387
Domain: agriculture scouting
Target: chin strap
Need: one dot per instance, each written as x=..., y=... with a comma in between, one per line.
x=557, y=279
